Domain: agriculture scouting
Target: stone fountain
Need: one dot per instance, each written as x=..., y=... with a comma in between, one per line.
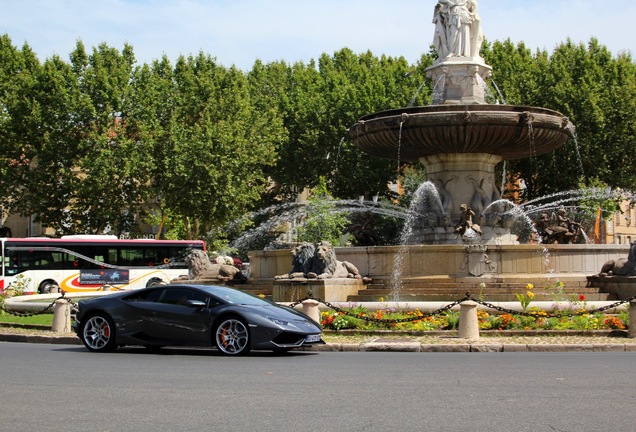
x=461, y=139
x=464, y=241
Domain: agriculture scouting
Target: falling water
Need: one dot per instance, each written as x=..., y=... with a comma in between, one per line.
x=342, y=140
x=295, y=213
x=503, y=178
x=399, y=149
x=533, y=148
x=503, y=101
x=572, y=130
x=488, y=95
x=415, y=95
x=438, y=90
x=426, y=197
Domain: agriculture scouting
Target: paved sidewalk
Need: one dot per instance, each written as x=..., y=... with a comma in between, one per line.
x=404, y=343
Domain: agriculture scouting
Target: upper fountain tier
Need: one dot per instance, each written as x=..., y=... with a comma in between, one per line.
x=510, y=132
x=460, y=121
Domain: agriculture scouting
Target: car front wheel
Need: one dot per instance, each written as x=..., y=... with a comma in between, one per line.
x=233, y=337
x=98, y=333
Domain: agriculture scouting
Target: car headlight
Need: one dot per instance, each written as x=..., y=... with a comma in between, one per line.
x=280, y=322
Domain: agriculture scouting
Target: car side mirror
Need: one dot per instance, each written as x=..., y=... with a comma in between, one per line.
x=195, y=304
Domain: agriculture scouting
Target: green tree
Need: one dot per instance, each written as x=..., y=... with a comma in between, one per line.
x=319, y=101
x=19, y=122
x=115, y=162
x=323, y=220
x=591, y=87
x=216, y=147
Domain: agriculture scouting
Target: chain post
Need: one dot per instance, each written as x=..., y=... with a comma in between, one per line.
x=310, y=308
x=468, y=322
x=61, y=316
x=632, y=319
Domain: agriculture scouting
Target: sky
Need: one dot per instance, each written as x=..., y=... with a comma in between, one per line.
x=238, y=32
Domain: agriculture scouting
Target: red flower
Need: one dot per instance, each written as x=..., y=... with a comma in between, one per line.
x=582, y=297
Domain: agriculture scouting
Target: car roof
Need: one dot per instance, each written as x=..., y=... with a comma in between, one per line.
x=219, y=291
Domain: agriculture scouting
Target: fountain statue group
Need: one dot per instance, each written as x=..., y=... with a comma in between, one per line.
x=558, y=229
x=318, y=262
x=457, y=28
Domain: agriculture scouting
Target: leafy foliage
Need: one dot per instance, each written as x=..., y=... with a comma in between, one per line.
x=323, y=221
x=99, y=144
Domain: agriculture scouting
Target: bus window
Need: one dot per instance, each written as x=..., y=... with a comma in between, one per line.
x=132, y=257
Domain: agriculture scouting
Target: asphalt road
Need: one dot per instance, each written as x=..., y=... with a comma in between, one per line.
x=64, y=387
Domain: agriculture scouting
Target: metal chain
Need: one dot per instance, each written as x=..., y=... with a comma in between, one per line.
x=367, y=318
x=554, y=315
x=449, y=306
x=47, y=309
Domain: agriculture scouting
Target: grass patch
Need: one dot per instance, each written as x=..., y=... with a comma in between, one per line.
x=41, y=319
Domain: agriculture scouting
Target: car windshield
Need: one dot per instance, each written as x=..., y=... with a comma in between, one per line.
x=236, y=297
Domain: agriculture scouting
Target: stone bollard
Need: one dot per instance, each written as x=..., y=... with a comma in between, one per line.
x=632, y=319
x=468, y=322
x=61, y=317
x=310, y=308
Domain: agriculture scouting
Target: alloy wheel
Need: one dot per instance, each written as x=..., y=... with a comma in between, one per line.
x=232, y=337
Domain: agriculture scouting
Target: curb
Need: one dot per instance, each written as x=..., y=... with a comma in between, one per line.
x=62, y=339
x=474, y=347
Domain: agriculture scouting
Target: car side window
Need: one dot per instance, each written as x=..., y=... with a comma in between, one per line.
x=146, y=296
x=179, y=296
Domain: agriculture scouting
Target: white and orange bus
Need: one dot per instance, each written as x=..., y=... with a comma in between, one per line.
x=87, y=263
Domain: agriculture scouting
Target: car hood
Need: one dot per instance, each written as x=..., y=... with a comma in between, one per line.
x=280, y=312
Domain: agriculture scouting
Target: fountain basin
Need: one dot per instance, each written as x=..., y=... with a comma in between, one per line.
x=510, y=132
x=434, y=268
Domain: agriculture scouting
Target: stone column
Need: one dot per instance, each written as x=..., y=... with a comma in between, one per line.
x=468, y=322
x=632, y=319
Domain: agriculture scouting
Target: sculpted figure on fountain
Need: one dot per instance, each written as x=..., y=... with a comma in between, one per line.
x=466, y=224
x=457, y=28
x=558, y=229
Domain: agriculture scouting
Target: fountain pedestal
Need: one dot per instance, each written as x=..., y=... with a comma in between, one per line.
x=465, y=178
x=460, y=80
x=330, y=290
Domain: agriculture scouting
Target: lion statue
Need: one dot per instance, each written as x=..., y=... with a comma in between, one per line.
x=621, y=266
x=200, y=267
x=325, y=264
x=302, y=261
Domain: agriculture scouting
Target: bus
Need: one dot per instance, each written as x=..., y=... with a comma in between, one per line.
x=89, y=263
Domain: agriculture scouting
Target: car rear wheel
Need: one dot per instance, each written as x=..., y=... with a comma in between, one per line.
x=98, y=333
x=233, y=337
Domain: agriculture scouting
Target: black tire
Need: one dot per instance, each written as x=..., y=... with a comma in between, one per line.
x=232, y=337
x=98, y=333
x=47, y=287
x=155, y=281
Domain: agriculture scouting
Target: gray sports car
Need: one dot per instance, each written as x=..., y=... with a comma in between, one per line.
x=192, y=315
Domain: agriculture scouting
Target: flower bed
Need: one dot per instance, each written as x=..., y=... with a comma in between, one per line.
x=360, y=318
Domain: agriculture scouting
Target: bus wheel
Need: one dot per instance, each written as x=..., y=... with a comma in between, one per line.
x=47, y=287
x=155, y=281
